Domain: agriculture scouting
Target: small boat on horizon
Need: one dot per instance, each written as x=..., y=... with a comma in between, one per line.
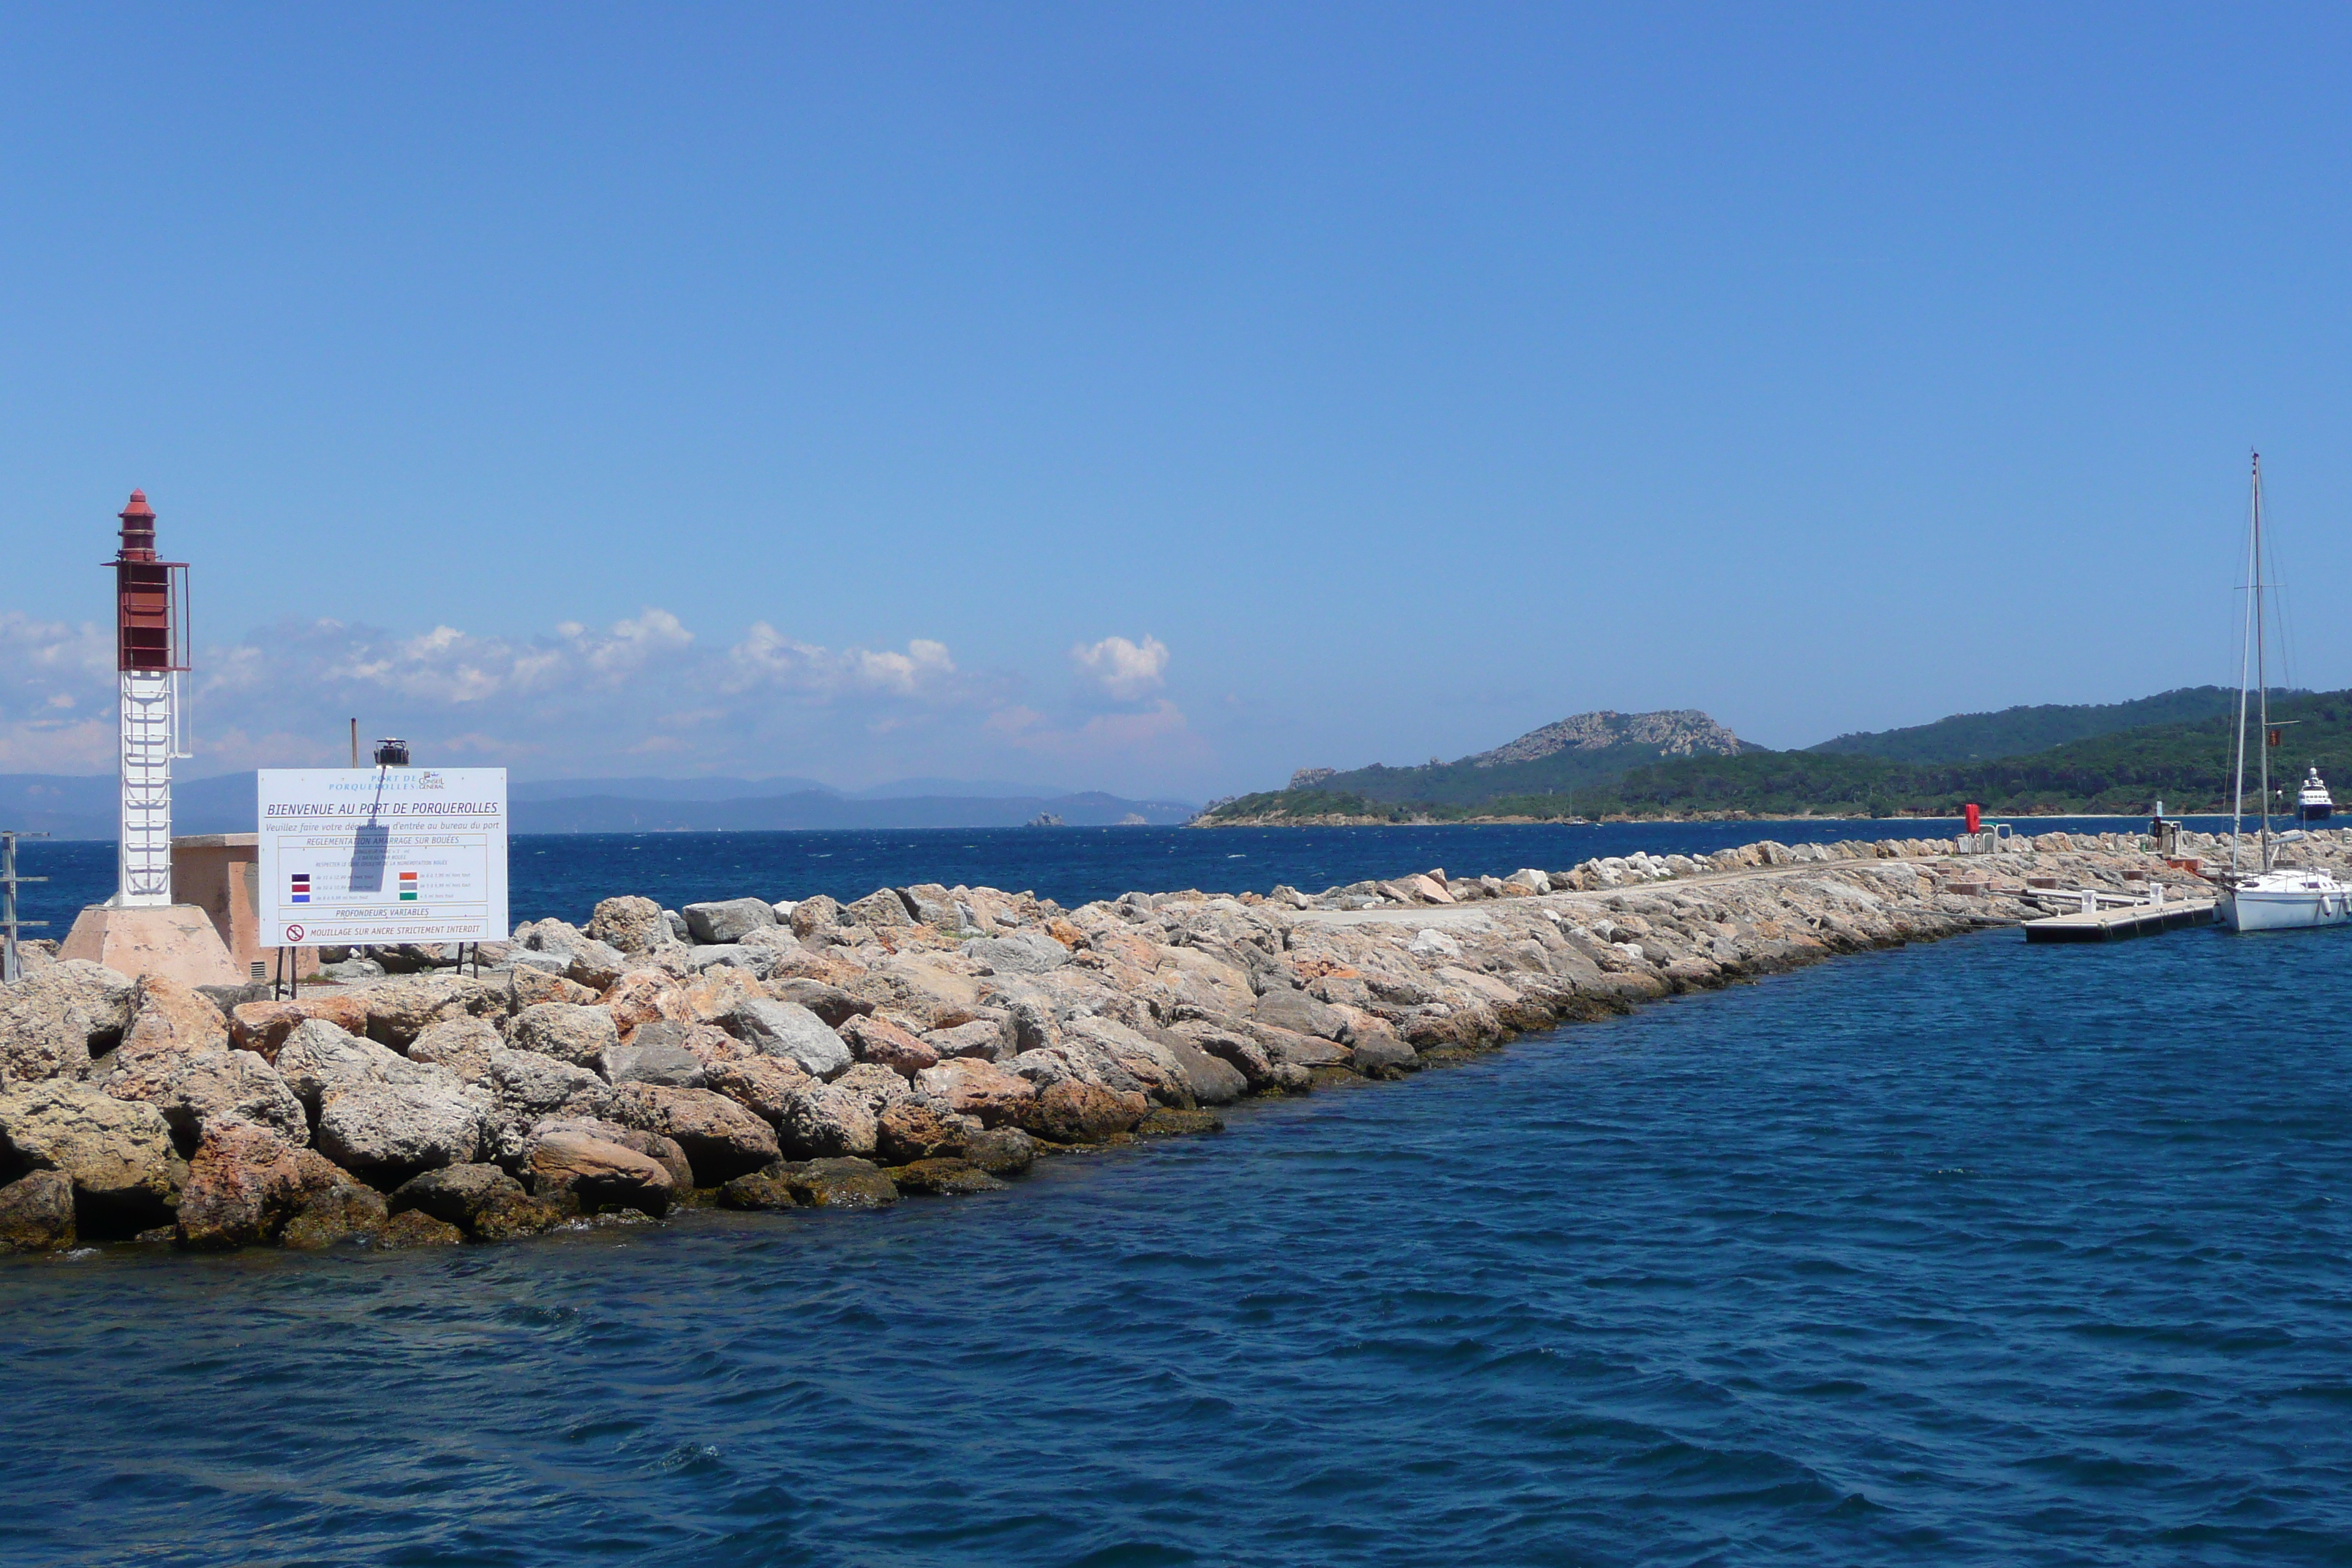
x=2271, y=897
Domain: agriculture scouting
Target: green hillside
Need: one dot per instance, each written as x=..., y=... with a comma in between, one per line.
x=1464, y=782
x=2184, y=763
x=2020, y=731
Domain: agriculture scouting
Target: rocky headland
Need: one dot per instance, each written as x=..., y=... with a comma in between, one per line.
x=923, y=1040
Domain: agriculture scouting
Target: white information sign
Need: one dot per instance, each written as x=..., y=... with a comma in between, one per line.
x=378, y=856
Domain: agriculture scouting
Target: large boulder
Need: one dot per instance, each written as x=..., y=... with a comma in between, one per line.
x=655, y=1063
x=1383, y=1055
x=789, y=1030
x=881, y=910
x=980, y=1089
x=317, y=1058
x=820, y=1121
x=1001, y=1151
x=629, y=925
x=1023, y=951
x=577, y=1172
x=721, y=1138
x=168, y=1019
x=117, y=1152
x=262, y=1027
x=876, y=1085
x=1285, y=1008
x=36, y=1213
x=455, y=1194
x=579, y=1035
x=486, y=1202
x=595, y=964
x=526, y=1089
x=526, y=985
x=761, y=1190
x=346, y=1211
x=1071, y=1112
x=52, y=1021
x=1123, y=1058
x=1215, y=1082
x=840, y=1183
x=464, y=1045
x=388, y=1132
x=830, y=1002
x=400, y=1010
x=922, y=1129
x=417, y=1229
x=640, y=997
x=710, y=997
x=551, y=936
x=728, y=920
x=981, y=1037
x=934, y=905
x=879, y=1041
x=920, y=994
x=814, y=914
x=706, y=1043
x=206, y=1090
x=759, y=1084
x=245, y=1184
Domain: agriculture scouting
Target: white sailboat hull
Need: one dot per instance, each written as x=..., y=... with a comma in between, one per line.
x=2285, y=909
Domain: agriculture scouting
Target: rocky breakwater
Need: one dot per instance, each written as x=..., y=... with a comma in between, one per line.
x=922, y=1041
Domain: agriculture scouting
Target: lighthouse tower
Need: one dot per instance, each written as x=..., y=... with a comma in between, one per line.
x=140, y=930
x=150, y=651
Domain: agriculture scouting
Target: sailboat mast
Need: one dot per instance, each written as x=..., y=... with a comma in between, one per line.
x=2245, y=657
x=2262, y=670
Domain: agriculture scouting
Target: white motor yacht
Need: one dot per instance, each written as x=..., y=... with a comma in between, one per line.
x=2314, y=804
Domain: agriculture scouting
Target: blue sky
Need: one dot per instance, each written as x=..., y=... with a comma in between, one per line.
x=1158, y=399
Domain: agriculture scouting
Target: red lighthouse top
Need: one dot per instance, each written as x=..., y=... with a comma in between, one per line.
x=138, y=529
x=150, y=598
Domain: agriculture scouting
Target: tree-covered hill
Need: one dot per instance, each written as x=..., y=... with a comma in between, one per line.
x=2020, y=731
x=2185, y=763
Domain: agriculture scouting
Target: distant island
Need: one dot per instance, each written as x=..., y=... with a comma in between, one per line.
x=2048, y=760
x=74, y=807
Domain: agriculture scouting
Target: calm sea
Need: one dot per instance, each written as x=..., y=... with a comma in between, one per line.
x=1969, y=1253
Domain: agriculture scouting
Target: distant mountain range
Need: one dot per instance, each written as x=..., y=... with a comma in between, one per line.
x=78, y=806
x=2088, y=757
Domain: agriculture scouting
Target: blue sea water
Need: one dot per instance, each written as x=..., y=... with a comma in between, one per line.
x=1974, y=1252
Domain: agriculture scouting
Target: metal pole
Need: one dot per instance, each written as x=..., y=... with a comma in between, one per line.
x=11, y=968
x=2245, y=654
x=2262, y=668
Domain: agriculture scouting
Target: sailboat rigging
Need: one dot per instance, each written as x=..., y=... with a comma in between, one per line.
x=2272, y=897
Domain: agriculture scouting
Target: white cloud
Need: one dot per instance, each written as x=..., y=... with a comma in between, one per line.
x=767, y=657
x=578, y=697
x=1121, y=669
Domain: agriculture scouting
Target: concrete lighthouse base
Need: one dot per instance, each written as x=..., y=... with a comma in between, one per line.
x=177, y=941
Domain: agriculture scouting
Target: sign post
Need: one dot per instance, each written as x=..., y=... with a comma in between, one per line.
x=375, y=857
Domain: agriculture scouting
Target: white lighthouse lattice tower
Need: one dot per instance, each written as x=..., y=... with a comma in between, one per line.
x=150, y=647
x=141, y=930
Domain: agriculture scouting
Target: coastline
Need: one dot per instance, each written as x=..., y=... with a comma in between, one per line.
x=926, y=1041
x=1618, y=819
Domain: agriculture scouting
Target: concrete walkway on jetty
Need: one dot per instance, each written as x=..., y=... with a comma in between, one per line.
x=922, y=1041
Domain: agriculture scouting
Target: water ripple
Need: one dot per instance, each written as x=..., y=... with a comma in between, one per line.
x=1974, y=1253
